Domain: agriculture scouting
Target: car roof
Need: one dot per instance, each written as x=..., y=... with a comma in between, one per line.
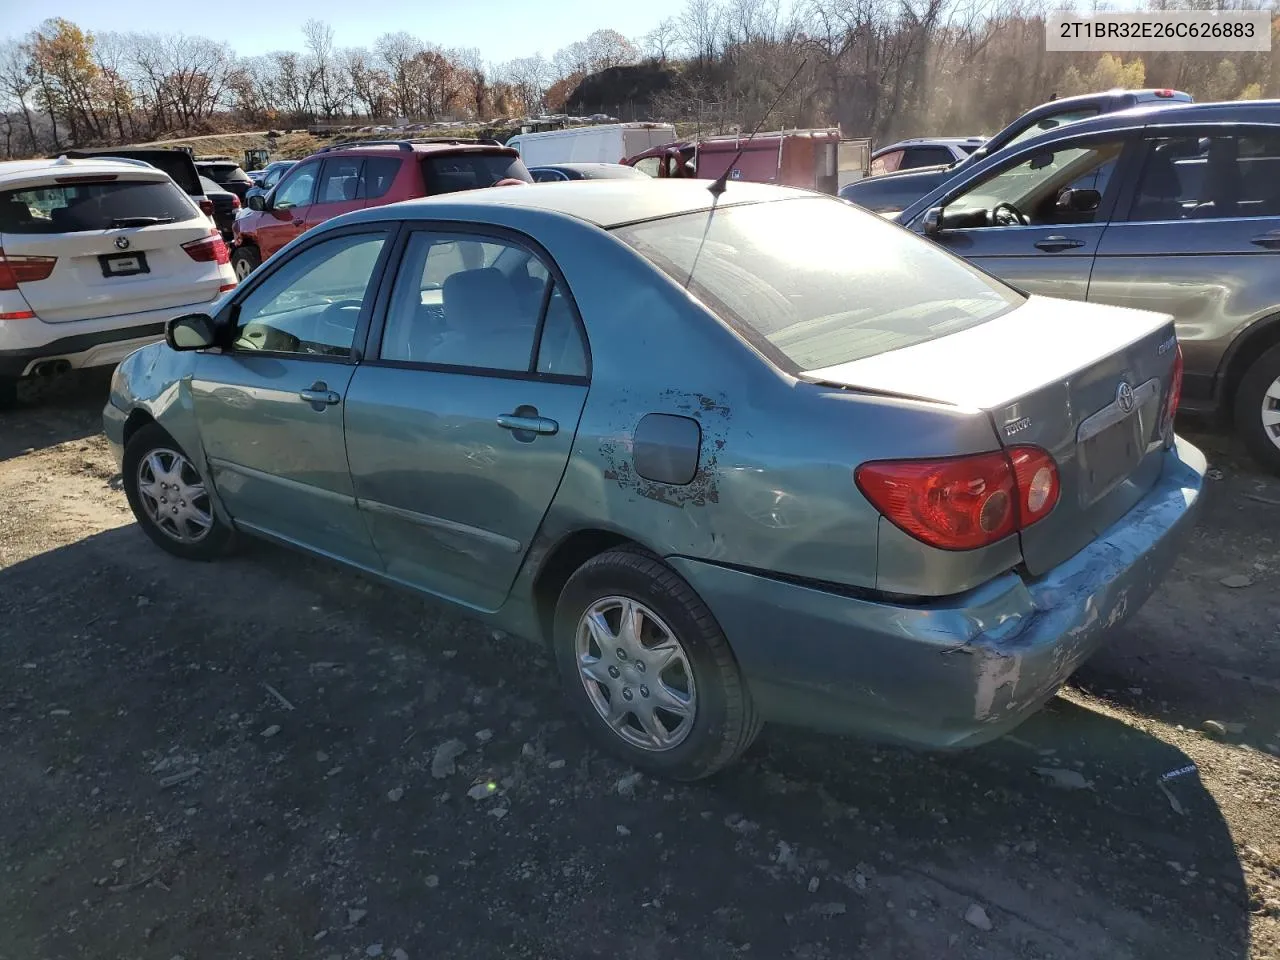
x=399, y=148
x=1177, y=113
x=12, y=171
x=931, y=141
x=605, y=203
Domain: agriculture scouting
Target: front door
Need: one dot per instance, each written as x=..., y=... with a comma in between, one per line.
x=459, y=431
x=1221, y=269
x=270, y=408
x=1036, y=220
x=290, y=203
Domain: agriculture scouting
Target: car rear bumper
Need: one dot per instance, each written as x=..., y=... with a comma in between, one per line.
x=25, y=344
x=956, y=672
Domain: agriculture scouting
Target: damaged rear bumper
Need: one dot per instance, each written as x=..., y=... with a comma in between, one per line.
x=955, y=672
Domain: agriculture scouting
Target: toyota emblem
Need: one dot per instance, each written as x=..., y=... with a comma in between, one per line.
x=122, y=243
x=1124, y=396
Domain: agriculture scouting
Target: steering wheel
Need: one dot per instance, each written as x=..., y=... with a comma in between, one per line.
x=1005, y=214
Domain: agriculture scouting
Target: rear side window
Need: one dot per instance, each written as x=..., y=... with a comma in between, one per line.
x=926, y=157
x=451, y=172
x=93, y=205
x=818, y=281
x=379, y=174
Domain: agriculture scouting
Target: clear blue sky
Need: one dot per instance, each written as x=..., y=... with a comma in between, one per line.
x=502, y=29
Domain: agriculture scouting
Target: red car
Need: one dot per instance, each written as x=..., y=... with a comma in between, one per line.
x=352, y=176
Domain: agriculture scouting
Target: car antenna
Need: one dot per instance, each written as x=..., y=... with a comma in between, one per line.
x=721, y=182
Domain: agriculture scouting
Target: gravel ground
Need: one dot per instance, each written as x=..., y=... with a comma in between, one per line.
x=253, y=759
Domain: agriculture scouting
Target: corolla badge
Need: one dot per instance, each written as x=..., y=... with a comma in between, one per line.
x=1124, y=396
x=122, y=243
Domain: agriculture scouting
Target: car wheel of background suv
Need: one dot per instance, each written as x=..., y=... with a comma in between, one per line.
x=647, y=668
x=169, y=498
x=245, y=260
x=1257, y=410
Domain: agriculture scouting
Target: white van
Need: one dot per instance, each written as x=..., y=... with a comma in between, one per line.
x=605, y=143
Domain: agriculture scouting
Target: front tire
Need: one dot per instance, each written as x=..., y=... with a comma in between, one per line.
x=169, y=498
x=1257, y=410
x=245, y=260
x=648, y=670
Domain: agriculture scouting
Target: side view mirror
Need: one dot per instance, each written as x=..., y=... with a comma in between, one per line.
x=257, y=202
x=1080, y=200
x=931, y=225
x=193, y=331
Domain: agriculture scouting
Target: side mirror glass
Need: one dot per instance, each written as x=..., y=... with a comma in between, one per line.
x=193, y=331
x=257, y=202
x=1078, y=200
x=931, y=225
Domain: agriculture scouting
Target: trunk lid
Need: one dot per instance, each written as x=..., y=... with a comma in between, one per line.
x=1085, y=382
x=114, y=253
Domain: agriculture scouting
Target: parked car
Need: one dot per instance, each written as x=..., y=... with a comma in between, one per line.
x=816, y=159
x=268, y=177
x=225, y=206
x=1087, y=212
x=560, y=172
x=891, y=192
x=352, y=176
x=95, y=255
x=227, y=174
x=923, y=152
x=854, y=489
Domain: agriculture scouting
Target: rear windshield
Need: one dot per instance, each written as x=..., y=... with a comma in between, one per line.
x=224, y=172
x=818, y=281
x=450, y=172
x=79, y=207
x=969, y=147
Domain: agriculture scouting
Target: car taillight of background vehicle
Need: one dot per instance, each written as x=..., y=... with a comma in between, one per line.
x=1175, y=393
x=962, y=503
x=16, y=270
x=235, y=202
x=210, y=249
x=1165, y=94
x=206, y=207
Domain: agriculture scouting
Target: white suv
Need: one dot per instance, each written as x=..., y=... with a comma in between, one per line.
x=95, y=256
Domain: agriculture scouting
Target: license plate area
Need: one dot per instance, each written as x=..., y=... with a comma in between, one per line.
x=123, y=264
x=1109, y=456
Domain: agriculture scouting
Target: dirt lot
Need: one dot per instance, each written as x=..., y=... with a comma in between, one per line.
x=236, y=760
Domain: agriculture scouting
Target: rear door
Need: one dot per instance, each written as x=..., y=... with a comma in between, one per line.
x=460, y=422
x=114, y=243
x=339, y=191
x=1221, y=268
x=1011, y=222
x=290, y=203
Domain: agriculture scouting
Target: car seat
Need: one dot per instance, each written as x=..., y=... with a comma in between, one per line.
x=486, y=324
x=1160, y=192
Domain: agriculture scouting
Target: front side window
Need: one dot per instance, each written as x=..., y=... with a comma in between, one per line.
x=93, y=204
x=818, y=280
x=1210, y=177
x=465, y=302
x=311, y=303
x=340, y=180
x=298, y=187
x=1064, y=185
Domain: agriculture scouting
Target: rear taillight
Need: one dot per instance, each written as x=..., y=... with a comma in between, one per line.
x=1164, y=94
x=1175, y=391
x=208, y=249
x=206, y=207
x=16, y=270
x=235, y=202
x=962, y=503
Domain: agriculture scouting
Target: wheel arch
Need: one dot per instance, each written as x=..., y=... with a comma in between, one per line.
x=560, y=563
x=1255, y=340
x=137, y=419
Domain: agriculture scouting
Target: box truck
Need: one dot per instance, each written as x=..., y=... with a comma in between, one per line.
x=604, y=143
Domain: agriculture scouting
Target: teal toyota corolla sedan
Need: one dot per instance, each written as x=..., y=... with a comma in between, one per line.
x=740, y=457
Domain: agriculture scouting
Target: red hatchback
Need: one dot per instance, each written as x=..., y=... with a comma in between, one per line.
x=352, y=176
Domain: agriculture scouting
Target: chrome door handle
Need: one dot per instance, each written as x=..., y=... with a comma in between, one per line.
x=1271, y=239
x=1056, y=243
x=542, y=425
x=319, y=395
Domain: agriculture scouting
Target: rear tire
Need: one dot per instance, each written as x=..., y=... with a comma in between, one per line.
x=687, y=712
x=245, y=260
x=169, y=498
x=1258, y=401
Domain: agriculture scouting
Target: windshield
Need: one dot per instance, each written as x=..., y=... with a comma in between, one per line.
x=450, y=172
x=93, y=205
x=817, y=280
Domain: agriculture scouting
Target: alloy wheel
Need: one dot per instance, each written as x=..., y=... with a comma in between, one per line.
x=174, y=496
